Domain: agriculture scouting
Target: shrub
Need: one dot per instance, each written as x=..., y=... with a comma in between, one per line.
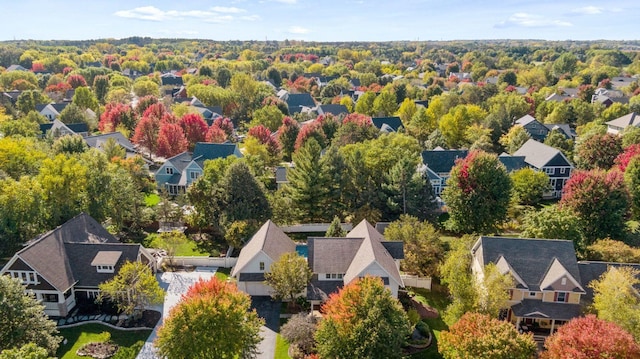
x=102, y=350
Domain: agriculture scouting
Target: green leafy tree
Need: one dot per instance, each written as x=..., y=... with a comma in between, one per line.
x=589, y=337
x=299, y=331
x=308, y=186
x=598, y=151
x=552, y=222
x=493, y=291
x=454, y=124
x=423, y=249
x=616, y=300
x=558, y=140
x=514, y=139
x=243, y=197
x=268, y=116
x=23, y=320
x=565, y=64
x=85, y=99
x=22, y=215
x=528, y=186
x=133, y=289
x=365, y=103
x=455, y=273
x=632, y=181
x=335, y=229
x=362, y=320
x=73, y=113
x=480, y=336
x=477, y=194
x=69, y=144
x=27, y=351
x=64, y=182
x=288, y=276
x=216, y=313
x=101, y=87
x=171, y=241
x=609, y=250
x=408, y=191
x=385, y=104
x=28, y=100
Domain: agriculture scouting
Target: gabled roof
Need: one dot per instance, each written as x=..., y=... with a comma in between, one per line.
x=333, y=109
x=540, y=155
x=562, y=127
x=16, y=68
x=332, y=255
x=631, y=119
x=530, y=308
x=531, y=259
x=180, y=161
x=393, y=122
x=82, y=255
x=441, y=161
x=504, y=267
x=48, y=256
x=512, y=163
x=525, y=120
x=209, y=151
x=171, y=80
x=371, y=250
x=270, y=240
x=98, y=141
x=554, y=273
x=295, y=101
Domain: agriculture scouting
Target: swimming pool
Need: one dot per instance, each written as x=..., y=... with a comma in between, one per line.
x=302, y=250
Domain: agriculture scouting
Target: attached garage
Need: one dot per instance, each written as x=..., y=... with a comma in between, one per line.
x=254, y=284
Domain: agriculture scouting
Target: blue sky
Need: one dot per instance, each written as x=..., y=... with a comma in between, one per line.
x=326, y=20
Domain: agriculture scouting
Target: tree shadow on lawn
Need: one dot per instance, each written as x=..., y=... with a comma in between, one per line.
x=129, y=341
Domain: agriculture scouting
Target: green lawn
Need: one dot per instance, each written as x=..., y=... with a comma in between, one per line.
x=130, y=342
x=437, y=299
x=282, y=348
x=187, y=249
x=151, y=200
x=223, y=273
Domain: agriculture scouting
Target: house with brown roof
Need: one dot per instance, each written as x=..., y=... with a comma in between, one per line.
x=334, y=262
x=67, y=264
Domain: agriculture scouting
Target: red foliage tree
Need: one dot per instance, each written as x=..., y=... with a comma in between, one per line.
x=146, y=133
x=66, y=70
x=225, y=125
x=598, y=151
x=623, y=159
x=358, y=118
x=116, y=114
x=37, y=67
x=600, y=200
x=216, y=135
x=194, y=127
x=144, y=103
x=287, y=135
x=589, y=337
x=314, y=130
x=76, y=81
x=171, y=140
x=263, y=134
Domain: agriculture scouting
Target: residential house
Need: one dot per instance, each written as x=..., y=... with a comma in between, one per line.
x=179, y=171
x=387, y=124
x=334, y=262
x=619, y=82
x=550, y=160
x=11, y=97
x=539, y=131
x=66, y=265
x=615, y=127
x=439, y=163
x=593, y=270
x=51, y=110
x=59, y=129
x=257, y=256
x=16, y=68
x=299, y=102
x=332, y=109
x=281, y=176
x=98, y=141
x=547, y=284
x=171, y=79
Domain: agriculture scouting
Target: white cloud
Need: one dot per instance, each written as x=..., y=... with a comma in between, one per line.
x=298, y=30
x=228, y=10
x=216, y=14
x=287, y=1
x=588, y=10
x=522, y=19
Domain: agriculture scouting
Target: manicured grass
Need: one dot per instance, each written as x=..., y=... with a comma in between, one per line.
x=151, y=200
x=439, y=300
x=187, y=249
x=282, y=348
x=223, y=273
x=130, y=342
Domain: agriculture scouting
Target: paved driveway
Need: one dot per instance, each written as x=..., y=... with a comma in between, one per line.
x=175, y=285
x=270, y=311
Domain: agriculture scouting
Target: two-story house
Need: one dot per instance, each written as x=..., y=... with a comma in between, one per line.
x=548, y=287
x=67, y=264
x=179, y=171
x=615, y=127
x=550, y=160
x=539, y=131
x=334, y=262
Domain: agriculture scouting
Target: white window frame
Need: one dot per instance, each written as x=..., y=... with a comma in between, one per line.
x=565, y=297
x=563, y=281
x=27, y=277
x=169, y=170
x=532, y=294
x=194, y=175
x=563, y=170
x=104, y=269
x=549, y=171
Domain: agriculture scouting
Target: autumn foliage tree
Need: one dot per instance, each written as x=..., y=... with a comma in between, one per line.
x=146, y=133
x=600, y=201
x=289, y=276
x=287, y=134
x=264, y=136
x=194, y=128
x=218, y=320
x=362, y=320
x=480, y=336
x=76, y=80
x=215, y=135
x=589, y=337
x=598, y=151
x=477, y=194
x=623, y=159
x=171, y=140
x=314, y=130
x=616, y=299
x=117, y=114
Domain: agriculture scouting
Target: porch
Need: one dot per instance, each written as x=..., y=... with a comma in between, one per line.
x=541, y=318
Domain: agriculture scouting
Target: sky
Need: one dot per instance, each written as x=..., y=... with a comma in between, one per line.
x=326, y=20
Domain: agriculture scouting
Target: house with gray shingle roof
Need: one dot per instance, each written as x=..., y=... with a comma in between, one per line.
x=179, y=171
x=99, y=141
x=550, y=160
x=334, y=262
x=332, y=109
x=299, y=102
x=547, y=279
x=58, y=129
x=66, y=265
x=387, y=124
x=615, y=127
x=439, y=163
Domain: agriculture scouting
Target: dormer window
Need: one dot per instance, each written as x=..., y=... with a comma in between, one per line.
x=27, y=277
x=105, y=261
x=169, y=170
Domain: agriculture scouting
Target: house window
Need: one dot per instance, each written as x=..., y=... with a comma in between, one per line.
x=105, y=269
x=552, y=182
x=169, y=170
x=548, y=170
x=340, y=275
x=532, y=294
x=25, y=277
x=334, y=276
x=564, y=281
x=50, y=298
x=93, y=294
x=261, y=265
x=194, y=175
x=563, y=171
x=562, y=297
x=327, y=276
